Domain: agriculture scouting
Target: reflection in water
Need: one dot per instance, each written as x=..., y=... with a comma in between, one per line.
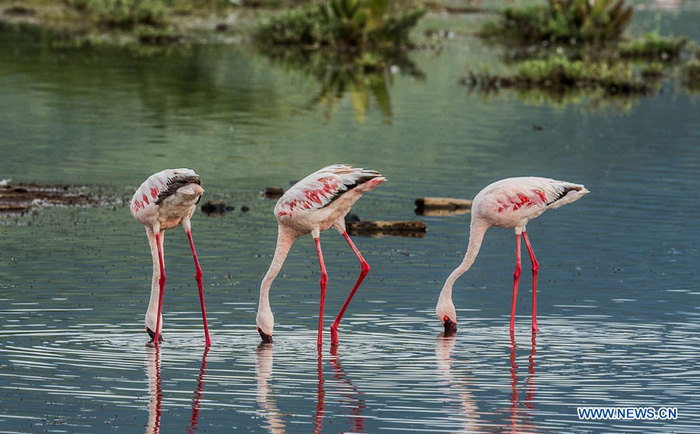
x=517, y=423
x=352, y=397
x=196, y=405
x=461, y=389
x=320, y=397
x=155, y=403
x=364, y=78
x=265, y=396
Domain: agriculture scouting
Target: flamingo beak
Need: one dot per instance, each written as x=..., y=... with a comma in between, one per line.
x=266, y=339
x=152, y=334
x=450, y=326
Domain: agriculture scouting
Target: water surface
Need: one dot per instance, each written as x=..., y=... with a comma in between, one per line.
x=619, y=300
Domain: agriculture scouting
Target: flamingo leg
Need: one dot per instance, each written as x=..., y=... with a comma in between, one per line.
x=324, y=282
x=363, y=273
x=535, y=268
x=198, y=278
x=161, y=282
x=516, y=279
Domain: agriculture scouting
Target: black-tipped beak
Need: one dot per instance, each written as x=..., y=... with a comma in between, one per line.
x=266, y=339
x=152, y=334
x=450, y=327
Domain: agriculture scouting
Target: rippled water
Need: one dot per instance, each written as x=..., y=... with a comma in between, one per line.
x=619, y=300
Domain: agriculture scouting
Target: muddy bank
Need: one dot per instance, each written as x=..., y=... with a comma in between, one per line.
x=20, y=198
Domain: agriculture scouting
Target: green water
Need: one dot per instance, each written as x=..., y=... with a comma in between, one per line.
x=619, y=300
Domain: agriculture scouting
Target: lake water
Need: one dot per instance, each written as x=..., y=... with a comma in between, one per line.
x=619, y=305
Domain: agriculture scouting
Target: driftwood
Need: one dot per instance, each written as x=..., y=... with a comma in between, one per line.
x=432, y=206
x=395, y=228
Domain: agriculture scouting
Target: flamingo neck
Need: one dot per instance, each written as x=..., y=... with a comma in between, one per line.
x=284, y=243
x=152, y=312
x=476, y=236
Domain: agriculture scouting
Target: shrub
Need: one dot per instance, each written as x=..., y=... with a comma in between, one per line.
x=563, y=20
x=351, y=23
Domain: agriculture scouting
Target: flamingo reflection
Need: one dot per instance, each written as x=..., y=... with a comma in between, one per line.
x=352, y=396
x=515, y=421
x=265, y=396
x=458, y=387
x=155, y=403
x=196, y=399
x=155, y=385
x=320, y=396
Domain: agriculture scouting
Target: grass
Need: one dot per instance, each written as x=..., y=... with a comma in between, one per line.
x=123, y=13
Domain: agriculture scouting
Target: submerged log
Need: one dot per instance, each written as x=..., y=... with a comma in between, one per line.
x=394, y=228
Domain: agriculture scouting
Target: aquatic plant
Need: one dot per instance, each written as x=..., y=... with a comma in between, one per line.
x=563, y=21
x=690, y=73
x=653, y=71
x=348, y=23
x=558, y=72
x=654, y=46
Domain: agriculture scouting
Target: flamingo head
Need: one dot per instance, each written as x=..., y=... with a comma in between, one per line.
x=265, y=324
x=152, y=334
x=447, y=314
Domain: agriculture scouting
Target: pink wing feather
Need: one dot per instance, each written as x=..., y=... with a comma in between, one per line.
x=151, y=192
x=319, y=189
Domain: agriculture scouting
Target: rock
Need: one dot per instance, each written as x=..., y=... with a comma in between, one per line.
x=273, y=192
x=215, y=207
x=351, y=218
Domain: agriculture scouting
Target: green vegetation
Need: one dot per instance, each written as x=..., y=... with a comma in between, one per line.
x=654, y=46
x=690, y=73
x=122, y=13
x=347, y=23
x=563, y=21
x=558, y=72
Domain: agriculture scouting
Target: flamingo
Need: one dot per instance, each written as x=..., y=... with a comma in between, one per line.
x=508, y=203
x=164, y=201
x=316, y=203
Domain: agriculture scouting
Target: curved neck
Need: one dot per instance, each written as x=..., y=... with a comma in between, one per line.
x=284, y=243
x=476, y=236
x=152, y=312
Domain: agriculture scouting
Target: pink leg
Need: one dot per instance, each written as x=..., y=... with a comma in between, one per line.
x=324, y=281
x=161, y=281
x=363, y=273
x=516, y=279
x=198, y=278
x=535, y=268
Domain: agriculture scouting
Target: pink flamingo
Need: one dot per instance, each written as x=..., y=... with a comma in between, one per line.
x=508, y=203
x=316, y=203
x=164, y=201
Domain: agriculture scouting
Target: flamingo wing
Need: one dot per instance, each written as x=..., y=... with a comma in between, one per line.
x=321, y=188
x=158, y=187
x=528, y=197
